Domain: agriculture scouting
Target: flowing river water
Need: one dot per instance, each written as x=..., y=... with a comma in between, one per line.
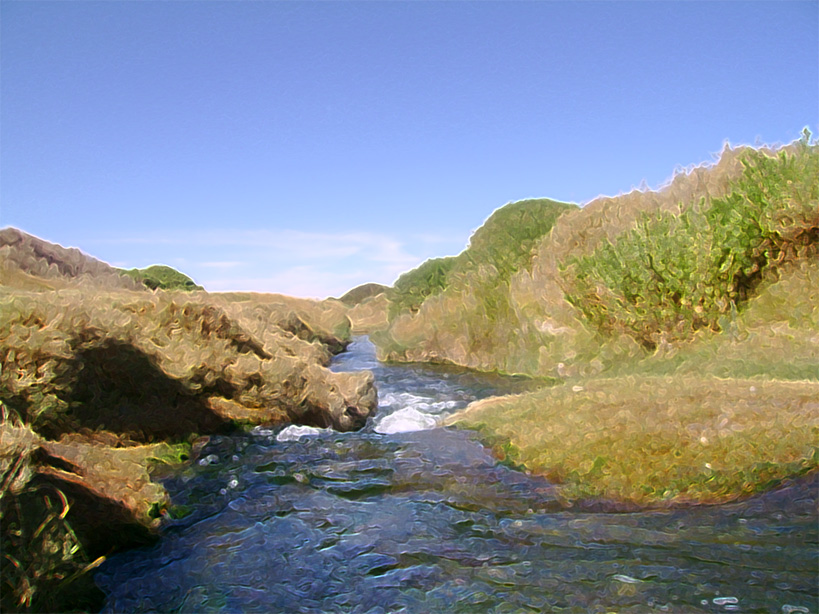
x=404, y=516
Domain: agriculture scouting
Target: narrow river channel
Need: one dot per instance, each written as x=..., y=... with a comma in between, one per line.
x=406, y=517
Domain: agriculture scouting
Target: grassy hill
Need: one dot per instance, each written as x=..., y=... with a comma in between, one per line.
x=676, y=332
x=501, y=247
x=620, y=278
x=363, y=292
x=162, y=277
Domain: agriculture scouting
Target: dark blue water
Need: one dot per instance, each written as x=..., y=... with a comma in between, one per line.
x=427, y=521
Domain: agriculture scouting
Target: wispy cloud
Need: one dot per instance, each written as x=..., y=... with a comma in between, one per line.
x=299, y=263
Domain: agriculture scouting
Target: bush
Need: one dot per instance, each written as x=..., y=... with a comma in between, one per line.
x=415, y=286
x=161, y=277
x=674, y=274
x=502, y=246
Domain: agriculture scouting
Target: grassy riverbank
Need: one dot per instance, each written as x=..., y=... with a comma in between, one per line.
x=712, y=420
x=657, y=441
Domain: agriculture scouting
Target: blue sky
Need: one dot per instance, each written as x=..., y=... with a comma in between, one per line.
x=306, y=148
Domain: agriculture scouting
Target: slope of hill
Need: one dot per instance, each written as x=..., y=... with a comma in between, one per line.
x=590, y=298
x=501, y=247
x=162, y=277
x=363, y=292
x=30, y=262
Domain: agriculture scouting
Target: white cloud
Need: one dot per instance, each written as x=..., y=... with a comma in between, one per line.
x=294, y=262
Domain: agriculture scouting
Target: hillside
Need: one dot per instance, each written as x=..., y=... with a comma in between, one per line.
x=363, y=292
x=676, y=333
x=624, y=277
x=162, y=277
x=29, y=262
x=501, y=247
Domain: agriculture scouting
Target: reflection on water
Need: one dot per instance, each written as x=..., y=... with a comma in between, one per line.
x=428, y=521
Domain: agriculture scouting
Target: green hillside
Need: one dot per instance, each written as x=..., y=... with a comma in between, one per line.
x=619, y=280
x=503, y=244
x=161, y=277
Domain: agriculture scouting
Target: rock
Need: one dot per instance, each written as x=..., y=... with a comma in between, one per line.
x=342, y=401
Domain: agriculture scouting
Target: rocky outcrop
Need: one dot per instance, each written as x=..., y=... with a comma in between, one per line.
x=164, y=367
x=100, y=380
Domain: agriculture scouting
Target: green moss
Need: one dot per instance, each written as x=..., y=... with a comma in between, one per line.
x=172, y=454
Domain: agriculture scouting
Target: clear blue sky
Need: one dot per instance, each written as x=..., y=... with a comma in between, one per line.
x=306, y=148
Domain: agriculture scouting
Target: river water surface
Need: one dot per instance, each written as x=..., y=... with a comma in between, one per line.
x=407, y=517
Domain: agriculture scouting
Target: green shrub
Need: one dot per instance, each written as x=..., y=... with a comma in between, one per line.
x=415, y=286
x=672, y=275
x=501, y=247
x=161, y=277
x=506, y=240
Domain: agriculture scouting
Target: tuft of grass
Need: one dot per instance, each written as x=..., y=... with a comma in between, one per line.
x=658, y=441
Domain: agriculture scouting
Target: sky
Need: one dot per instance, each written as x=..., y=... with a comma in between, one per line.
x=308, y=147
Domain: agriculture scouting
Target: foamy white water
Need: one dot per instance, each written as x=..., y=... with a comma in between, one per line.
x=405, y=420
x=295, y=432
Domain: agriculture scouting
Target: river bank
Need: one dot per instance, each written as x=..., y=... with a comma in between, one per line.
x=101, y=380
x=657, y=441
x=429, y=520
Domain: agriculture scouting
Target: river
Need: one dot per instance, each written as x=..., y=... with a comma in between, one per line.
x=405, y=516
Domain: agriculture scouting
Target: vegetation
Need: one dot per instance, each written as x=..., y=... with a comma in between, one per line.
x=502, y=245
x=626, y=279
x=361, y=293
x=658, y=441
x=162, y=277
x=506, y=240
x=672, y=275
x=680, y=326
x=414, y=287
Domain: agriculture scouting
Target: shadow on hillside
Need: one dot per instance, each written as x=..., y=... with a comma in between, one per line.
x=121, y=389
